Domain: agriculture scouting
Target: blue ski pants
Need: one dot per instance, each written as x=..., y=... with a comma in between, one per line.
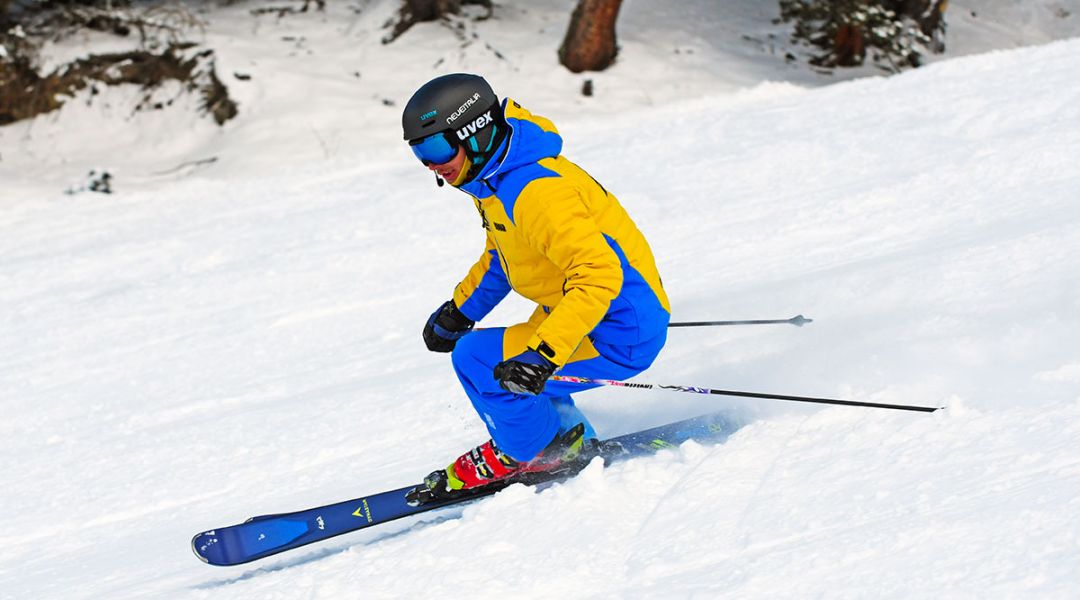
x=523, y=425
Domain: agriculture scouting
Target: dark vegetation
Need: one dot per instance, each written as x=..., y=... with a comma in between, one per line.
x=162, y=54
x=892, y=34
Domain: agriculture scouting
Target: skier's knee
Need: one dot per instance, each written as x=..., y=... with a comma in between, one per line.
x=466, y=353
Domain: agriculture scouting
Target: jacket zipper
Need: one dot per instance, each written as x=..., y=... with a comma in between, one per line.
x=498, y=246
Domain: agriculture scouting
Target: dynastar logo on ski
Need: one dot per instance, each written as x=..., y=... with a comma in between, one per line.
x=363, y=511
x=481, y=122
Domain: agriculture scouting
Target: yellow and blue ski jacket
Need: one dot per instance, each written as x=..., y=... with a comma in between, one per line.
x=558, y=238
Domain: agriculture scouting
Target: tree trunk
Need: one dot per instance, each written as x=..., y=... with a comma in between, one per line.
x=590, y=40
x=849, y=46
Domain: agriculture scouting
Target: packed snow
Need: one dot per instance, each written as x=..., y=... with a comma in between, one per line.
x=236, y=330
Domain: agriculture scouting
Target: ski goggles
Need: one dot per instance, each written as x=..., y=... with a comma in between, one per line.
x=435, y=149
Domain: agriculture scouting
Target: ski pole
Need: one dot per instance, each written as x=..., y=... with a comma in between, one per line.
x=797, y=320
x=700, y=390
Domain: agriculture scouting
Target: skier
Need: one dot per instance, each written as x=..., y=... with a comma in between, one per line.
x=555, y=236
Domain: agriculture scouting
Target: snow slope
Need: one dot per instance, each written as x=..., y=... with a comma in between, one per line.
x=196, y=350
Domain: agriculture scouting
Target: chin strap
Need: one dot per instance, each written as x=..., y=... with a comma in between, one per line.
x=463, y=175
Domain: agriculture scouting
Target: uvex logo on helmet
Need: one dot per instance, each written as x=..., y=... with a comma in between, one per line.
x=461, y=109
x=470, y=129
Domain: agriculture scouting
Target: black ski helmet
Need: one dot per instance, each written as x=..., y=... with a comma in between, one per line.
x=462, y=107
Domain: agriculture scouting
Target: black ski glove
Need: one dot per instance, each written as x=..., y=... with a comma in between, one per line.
x=445, y=326
x=526, y=373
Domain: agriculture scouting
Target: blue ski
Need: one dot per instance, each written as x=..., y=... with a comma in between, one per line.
x=266, y=535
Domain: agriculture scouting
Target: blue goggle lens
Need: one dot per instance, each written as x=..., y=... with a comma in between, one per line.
x=435, y=149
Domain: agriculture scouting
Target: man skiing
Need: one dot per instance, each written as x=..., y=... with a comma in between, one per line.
x=555, y=236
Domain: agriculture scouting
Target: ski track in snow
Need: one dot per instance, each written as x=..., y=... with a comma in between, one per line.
x=240, y=340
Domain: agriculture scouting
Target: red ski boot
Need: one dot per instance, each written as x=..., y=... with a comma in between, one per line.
x=486, y=465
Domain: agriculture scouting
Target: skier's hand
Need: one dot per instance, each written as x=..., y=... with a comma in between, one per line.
x=526, y=373
x=445, y=326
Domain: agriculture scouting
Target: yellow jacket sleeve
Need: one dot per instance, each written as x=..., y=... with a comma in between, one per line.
x=484, y=286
